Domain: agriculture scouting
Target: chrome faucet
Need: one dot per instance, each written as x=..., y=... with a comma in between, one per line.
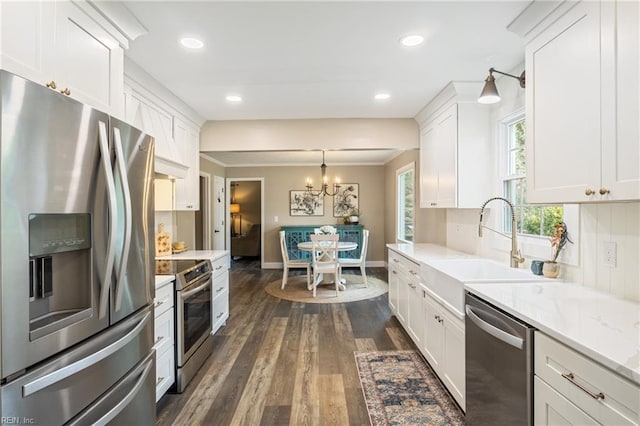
x=516, y=257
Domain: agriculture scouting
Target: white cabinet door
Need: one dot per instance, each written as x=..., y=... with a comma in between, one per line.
x=415, y=321
x=433, y=347
x=453, y=361
x=621, y=98
x=57, y=42
x=26, y=40
x=403, y=298
x=552, y=409
x=428, y=167
x=89, y=61
x=393, y=286
x=438, y=151
x=187, y=140
x=563, y=108
x=446, y=157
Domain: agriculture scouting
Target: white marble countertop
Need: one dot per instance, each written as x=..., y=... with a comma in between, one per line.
x=195, y=255
x=599, y=325
x=425, y=252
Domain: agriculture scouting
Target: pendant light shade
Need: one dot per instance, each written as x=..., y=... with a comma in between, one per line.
x=489, y=93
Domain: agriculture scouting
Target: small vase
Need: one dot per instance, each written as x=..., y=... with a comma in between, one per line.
x=550, y=269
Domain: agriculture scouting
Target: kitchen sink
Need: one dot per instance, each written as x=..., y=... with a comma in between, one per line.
x=446, y=277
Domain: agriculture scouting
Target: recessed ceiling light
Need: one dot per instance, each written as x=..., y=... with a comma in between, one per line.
x=233, y=98
x=382, y=96
x=191, y=43
x=411, y=40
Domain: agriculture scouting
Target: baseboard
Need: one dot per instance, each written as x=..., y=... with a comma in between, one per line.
x=272, y=265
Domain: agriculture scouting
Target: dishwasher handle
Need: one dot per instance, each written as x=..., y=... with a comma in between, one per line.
x=499, y=334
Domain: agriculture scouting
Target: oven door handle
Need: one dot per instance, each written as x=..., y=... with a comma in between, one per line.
x=113, y=218
x=122, y=172
x=84, y=363
x=200, y=288
x=499, y=334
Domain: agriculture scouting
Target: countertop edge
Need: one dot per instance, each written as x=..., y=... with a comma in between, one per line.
x=196, y=254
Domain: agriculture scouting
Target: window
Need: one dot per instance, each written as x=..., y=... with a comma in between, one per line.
x=405, y=178
x=530, y=220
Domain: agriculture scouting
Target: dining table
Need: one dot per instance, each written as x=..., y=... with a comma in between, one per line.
x=342, y=246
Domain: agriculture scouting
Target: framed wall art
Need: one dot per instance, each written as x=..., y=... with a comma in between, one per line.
x=301, y=203
x=346, y=201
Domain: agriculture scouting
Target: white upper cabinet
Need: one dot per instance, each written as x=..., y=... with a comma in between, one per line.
x=582, y=96
x=455, y=150
x=65, y=46
x=187, y=139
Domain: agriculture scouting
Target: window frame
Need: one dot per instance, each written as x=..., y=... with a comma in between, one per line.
x=532, y=246
x=399, y=202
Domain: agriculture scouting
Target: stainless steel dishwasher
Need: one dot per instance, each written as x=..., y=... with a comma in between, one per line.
x=499, y=366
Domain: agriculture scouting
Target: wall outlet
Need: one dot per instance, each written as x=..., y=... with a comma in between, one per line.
x=275, y=219
x=610, y=254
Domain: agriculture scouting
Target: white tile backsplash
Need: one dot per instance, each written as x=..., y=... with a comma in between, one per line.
x=599, y=224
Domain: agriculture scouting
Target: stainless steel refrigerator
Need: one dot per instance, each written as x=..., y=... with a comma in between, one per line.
x=76, y=220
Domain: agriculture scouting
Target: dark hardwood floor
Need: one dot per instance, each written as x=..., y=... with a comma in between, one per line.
x=278, y=362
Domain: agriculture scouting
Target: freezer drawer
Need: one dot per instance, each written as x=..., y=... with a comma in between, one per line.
x=130, y=402
x=58, y=390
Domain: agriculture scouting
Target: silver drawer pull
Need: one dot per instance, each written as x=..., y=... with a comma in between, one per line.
x=393, y=271
x=158, y=339
x=396, y=260
x=570, y=377
x=160, y=379
x=157, y=304
x=219, y=289
x=219, y=315
x=218, y=267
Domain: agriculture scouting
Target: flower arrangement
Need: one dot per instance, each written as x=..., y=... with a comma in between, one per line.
x=559, y=240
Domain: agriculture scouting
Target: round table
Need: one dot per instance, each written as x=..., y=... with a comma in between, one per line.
x=342, y=246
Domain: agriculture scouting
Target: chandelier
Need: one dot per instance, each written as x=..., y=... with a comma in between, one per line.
x=324, y=189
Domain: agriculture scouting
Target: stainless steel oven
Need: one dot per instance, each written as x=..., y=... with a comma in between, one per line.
x=193, y=322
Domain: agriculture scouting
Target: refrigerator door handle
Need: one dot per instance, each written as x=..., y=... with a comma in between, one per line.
x=502, y=335
x=113, y=217
x=122, y=171
x=111, y=414
x=84, y=363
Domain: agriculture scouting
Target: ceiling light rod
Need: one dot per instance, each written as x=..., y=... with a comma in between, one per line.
x=521, y=79
x=324, y=189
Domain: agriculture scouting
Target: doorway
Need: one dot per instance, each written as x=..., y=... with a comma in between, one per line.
x=218, y=213
x=203, y=215
x=245, y=230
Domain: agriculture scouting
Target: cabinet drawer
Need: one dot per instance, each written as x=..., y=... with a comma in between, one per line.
x=163, y=331
x=220, y=266
x=404, y=265
x=598, y=391
x=164, y=299
x=165, y=371
x=220, y=285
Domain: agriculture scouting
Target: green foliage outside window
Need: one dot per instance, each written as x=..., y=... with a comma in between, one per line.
x=532, y=220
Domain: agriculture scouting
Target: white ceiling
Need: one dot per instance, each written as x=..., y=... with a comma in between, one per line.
x=321, y=59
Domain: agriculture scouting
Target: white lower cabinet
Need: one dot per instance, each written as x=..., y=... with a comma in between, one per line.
x=443, y=345
x=164, y=338
x=220, y=286
x=404, y=277
x=572, y=389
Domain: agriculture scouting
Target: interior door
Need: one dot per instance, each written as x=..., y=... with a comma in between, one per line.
x=218, y=213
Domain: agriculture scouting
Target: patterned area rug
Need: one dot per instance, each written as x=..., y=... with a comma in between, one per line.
x=401, y=389
x=296, y=290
